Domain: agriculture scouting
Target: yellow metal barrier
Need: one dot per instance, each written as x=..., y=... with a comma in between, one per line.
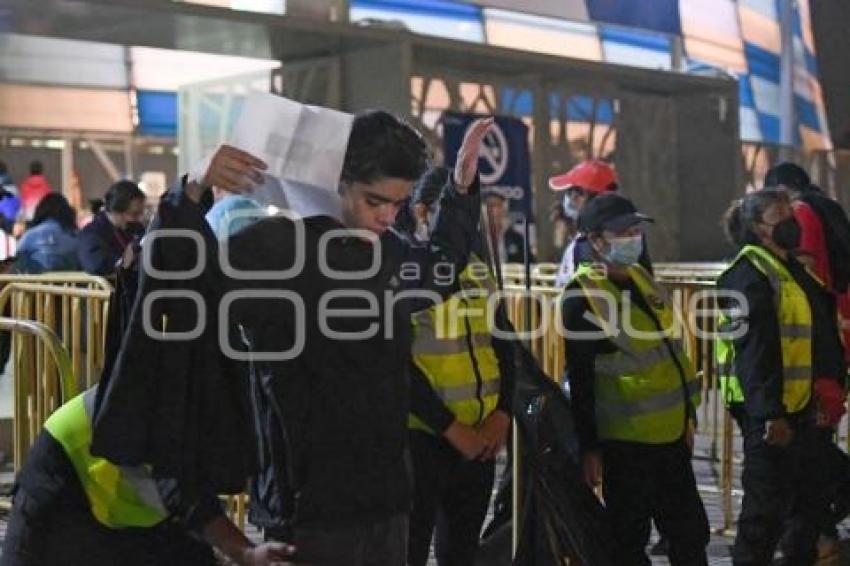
x=43, y=379
x=72, y=278
x=75, y=311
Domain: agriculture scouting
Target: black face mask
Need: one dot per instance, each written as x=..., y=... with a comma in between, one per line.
x=786, y=234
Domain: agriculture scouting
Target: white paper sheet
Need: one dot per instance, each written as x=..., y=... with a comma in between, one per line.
x=304, y=148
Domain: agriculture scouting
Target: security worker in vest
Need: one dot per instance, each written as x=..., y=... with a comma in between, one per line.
x=73, y=509
x=633, y=390
x=462, y=379
x=780, y=347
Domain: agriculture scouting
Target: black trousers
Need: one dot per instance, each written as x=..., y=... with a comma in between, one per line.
x=451, y=493
x=369, y=543
x=51, y=524
x=643, y=482
x=785, y=494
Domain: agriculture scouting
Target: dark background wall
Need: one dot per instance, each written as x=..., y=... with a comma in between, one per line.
x=831, y=22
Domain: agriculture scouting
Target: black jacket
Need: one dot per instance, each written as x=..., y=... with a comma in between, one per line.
x=758, y=353
x=335, y=414
x=334, y=418
x=100, y=244
x=177, y=403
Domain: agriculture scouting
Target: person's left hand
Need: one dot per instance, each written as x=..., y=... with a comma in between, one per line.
x=494, y=429
x=467, y=156
x=269, y=554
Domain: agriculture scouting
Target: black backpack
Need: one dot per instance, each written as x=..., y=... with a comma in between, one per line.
x=836, y=231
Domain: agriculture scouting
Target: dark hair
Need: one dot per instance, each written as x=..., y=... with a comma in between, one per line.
x=54, y=206
x=120, y=195
x=95, y=205
x=744, y=212
x=383, y=146
x=36, y=168
x=426, y=191
x=3, y=169
x=788, y=174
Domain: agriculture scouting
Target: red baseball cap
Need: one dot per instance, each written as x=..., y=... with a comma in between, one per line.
x=592, y=175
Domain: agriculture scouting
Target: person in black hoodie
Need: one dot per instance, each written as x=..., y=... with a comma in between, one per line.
x=332, y=391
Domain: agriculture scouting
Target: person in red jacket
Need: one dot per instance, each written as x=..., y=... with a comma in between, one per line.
x=33, y=189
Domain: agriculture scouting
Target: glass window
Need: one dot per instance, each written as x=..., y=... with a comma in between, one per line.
x=429, y=17
x=157, y=113
x=168, y=69
x=632, y=47
x=262, y=6
x=45, y=60
x=544, y=35
x=712, y=33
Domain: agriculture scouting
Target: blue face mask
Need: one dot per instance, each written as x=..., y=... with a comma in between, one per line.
x=625, y=251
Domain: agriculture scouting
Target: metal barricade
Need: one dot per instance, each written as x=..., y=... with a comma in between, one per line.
x=43, y=379
x=73, y=305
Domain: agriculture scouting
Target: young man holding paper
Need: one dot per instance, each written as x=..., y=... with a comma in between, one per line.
x=320, y=309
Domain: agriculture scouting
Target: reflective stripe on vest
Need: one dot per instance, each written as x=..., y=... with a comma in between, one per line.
x=795, y=333
x=124, y=496
x=661, y=402
x=641, y=393
x=452, y=346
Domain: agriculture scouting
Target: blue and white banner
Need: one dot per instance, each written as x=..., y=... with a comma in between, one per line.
x=504, y=164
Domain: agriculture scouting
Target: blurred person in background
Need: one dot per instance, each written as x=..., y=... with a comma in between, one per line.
x=34, y=188
x=10, y=203
x=581, y=185
x=506, y=229
x=50, y=242
x=110, y=241
x=6, y=180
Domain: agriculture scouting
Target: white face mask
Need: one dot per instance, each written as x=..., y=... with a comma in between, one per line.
x=569, y=210
x=625, y=251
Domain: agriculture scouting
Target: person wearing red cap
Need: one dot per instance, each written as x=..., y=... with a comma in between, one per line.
x=581, y=184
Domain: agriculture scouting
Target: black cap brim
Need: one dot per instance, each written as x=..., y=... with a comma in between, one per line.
x=626, y=221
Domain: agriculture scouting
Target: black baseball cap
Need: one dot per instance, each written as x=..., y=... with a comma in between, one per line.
x=610, y=211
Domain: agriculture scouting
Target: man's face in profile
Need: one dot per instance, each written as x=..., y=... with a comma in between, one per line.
x=374, y=206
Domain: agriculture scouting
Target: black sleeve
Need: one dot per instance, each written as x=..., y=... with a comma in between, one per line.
x=194, y=514
x=425, y=404
x=581, y=355
x=505, y=354
x=94, y=254
x=452, y=240
x=758, y=351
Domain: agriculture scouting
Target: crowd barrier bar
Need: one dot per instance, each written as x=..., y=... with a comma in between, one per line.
x=43, y=379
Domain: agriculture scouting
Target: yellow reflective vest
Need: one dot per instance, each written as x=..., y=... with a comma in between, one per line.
x=118, y=496
x=647, y=387
x=795, y=330
x=452, y=346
